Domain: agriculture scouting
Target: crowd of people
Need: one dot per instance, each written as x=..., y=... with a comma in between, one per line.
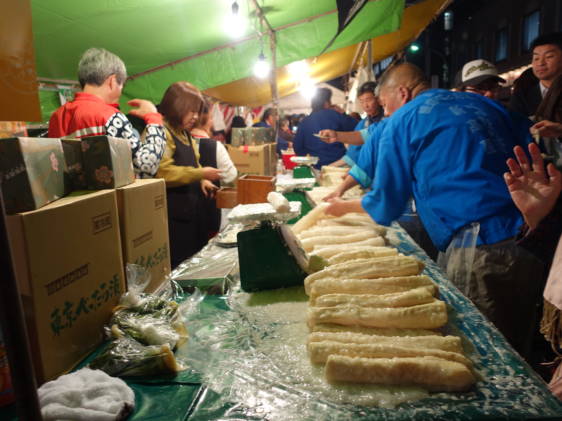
x=471, y=166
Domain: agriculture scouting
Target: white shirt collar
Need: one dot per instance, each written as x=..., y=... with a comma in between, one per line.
x=544, y=89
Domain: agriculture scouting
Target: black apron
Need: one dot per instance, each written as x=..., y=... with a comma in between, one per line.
x=186, y=215
x=208, y=158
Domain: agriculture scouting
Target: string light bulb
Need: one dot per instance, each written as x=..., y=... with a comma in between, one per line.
x=299, y=69
x=307, y=88
x=262, y=67
x=234, y=24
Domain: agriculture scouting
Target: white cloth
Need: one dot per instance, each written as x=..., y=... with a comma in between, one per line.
x=224, y=163
x=86, y=395
x=218, y=118
x=553, y=289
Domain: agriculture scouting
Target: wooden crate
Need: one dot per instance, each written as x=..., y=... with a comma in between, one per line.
x=254, y=188
x=227, y=197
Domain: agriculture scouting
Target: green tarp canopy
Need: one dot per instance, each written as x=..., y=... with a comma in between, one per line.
x=164, y=41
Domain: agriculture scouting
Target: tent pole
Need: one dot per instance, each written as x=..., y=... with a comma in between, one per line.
x=273, y=74
x=370, y=58
x=273, y=49
x=358, y=54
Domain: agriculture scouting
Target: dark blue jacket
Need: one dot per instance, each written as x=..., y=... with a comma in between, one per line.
x=306, y=143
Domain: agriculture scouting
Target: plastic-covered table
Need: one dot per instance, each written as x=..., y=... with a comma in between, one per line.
x=248, y=361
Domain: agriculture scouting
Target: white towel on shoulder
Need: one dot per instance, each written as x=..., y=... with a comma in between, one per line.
x=86, y=395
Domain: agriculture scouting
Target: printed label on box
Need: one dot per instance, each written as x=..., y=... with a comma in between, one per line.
x=67, y=279
x=142, y=239
x=101, y=223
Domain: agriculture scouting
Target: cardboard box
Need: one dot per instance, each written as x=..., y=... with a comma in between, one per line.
x=69, y=268
x=74, y=172
x=258, y=160
x=252, y=136
x=107, y=162
x=143, y=218
x=33, y=172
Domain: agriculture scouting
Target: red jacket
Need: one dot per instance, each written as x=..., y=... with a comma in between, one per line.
x=89, y=115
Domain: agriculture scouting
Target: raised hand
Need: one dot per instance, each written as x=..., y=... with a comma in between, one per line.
x=533, y=190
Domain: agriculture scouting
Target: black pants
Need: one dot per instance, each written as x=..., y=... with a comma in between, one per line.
x=187, y=223
x=506, y=284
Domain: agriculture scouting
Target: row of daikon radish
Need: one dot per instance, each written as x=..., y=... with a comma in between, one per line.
x=373, y=316
x=317, y=194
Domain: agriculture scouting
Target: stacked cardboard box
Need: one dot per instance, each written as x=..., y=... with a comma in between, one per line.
x=32, y=171
x=143, y=218
x=252, y=136
x=75, y=179
x=258, y=160
x=69, y=268
x=70, y=255
x=107, y=162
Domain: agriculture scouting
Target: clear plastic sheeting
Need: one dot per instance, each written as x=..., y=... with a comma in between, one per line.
x=228, y=236
x=463, y=245
x=254, y=362
x=211, y=266
x=125, y=357
x=288, y=184
x=304, y=160
x=263, y=212
x=144, y=330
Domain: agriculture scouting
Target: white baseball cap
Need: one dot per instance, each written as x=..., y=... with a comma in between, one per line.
x=477, y=71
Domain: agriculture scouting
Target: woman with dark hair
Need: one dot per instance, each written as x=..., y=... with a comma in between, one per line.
x=237, y=122
x=188, y=183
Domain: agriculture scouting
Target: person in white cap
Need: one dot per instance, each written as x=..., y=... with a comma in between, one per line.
x=480, y=77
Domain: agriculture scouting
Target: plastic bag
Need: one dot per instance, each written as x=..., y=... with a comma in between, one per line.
x=153, y=322
x=145, y=328
x=458, y=259
x=126, y=357
x=212, y=269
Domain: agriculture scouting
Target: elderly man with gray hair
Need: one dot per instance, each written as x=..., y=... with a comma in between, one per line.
x=94, y=111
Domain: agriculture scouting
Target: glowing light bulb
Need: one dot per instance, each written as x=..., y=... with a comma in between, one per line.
x=262, y=67
x=298, y=69
x=235, y=24
x=414, y=48
x=307, y=88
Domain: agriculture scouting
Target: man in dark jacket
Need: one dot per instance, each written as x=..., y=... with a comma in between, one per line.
x=546, y=64
x=322, y=117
